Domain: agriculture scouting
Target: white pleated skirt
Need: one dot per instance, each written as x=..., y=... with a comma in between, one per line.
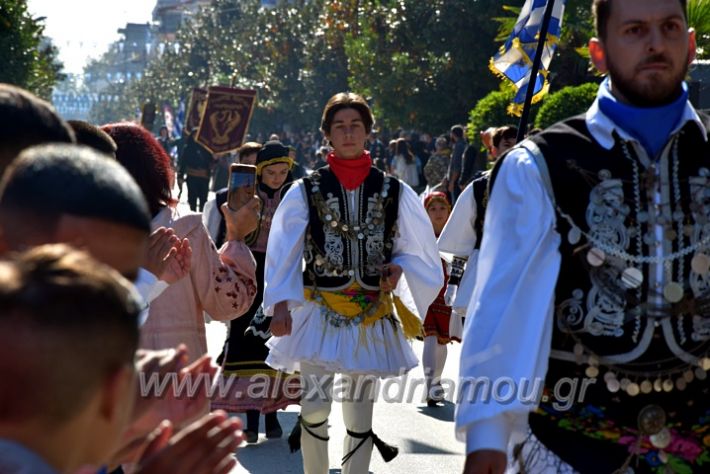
x=379, y=349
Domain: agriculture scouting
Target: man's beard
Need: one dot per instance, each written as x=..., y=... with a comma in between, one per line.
x=650, y=93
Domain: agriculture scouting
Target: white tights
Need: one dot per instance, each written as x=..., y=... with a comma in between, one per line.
x=357, y=415
x=433, y=359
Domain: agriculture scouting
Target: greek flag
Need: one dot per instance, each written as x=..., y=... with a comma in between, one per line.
x=179, y=120
x=514, y=60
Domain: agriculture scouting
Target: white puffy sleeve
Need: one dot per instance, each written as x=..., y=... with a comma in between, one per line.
x=459, y=235
x=415, y=250
x=458, y=239
x=283, y=275
x=508, y=327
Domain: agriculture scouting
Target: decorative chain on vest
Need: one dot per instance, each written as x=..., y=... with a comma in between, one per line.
x=603, y=251
x=363, y=230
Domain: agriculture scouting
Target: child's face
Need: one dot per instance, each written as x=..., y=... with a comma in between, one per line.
x=438, y=214
x=274, y=176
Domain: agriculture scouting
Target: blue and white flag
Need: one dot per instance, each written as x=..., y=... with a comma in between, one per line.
x=179, y=120
x=515, y=58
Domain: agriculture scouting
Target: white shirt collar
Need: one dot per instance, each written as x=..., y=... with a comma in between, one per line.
x=602, y=127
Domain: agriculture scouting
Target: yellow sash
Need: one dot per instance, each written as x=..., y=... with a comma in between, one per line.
x=355, y=301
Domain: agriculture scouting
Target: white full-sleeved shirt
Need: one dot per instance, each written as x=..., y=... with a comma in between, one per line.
x=508, y=328
x=458, y=238
x=414, y=249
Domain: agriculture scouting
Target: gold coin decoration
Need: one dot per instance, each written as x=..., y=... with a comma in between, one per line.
x=613, y=385
x=673, y=292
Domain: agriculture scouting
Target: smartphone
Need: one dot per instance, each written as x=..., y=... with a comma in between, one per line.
x=242, y=185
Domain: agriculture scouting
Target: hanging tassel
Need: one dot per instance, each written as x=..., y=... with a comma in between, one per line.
x=294, y=439
x=411, y=324
x=387, y=451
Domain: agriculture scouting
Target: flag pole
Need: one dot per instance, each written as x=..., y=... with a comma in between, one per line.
x=523, y=126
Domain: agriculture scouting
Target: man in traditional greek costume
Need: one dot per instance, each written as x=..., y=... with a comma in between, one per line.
x=371, y=271
x=593, y=274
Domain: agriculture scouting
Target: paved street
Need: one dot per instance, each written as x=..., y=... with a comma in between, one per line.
x=425, y=436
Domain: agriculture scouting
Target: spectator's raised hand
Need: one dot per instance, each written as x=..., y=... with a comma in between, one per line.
x=150, y=364
x=242, y=222
x=160, y=244
x=205, y=447
x=177, y=262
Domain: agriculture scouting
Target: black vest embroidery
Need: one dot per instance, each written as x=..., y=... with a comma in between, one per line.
x=480, y=194
x=350, y=234
x=644, y=343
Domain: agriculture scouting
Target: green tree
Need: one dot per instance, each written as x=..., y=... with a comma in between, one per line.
x=28, y=59
x=699, y=19
x=424, y=64
x=491, y=111
x=566, y=102
x=280, y=52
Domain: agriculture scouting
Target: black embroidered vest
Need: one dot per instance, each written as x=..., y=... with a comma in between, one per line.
x=480, y=194
x=636, y=322
x=350, y=233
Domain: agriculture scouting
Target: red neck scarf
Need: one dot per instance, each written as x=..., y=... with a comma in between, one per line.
x=351, y=173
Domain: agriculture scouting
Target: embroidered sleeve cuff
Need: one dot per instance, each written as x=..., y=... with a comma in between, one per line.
x=491, y=433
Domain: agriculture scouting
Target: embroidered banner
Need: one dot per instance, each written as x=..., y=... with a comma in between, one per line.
x=196, y=108
x=226, y=117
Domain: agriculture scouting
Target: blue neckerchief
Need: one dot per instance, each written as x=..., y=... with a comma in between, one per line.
x=651, y=126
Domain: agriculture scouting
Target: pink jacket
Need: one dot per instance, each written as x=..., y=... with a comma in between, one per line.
x=221, y=283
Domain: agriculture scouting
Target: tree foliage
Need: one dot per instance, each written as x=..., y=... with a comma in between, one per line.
x=699, y=19
x=422, y=65
x=280, y=52
x=491, y=111
x=567, y=102
x=27, y=58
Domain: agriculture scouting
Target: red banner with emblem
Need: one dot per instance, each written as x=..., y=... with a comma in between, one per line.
x=225, y=120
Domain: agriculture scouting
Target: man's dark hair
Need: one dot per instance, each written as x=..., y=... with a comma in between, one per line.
x=248, y=148
x=67, y=322
x=92, y=136
x=48, y=181
x=601, y=11
x=503, y=133
x=26, y=120
x=457, y=131
x=346, y=100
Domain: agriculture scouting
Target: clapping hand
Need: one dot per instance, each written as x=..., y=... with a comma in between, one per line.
x=169, y=257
